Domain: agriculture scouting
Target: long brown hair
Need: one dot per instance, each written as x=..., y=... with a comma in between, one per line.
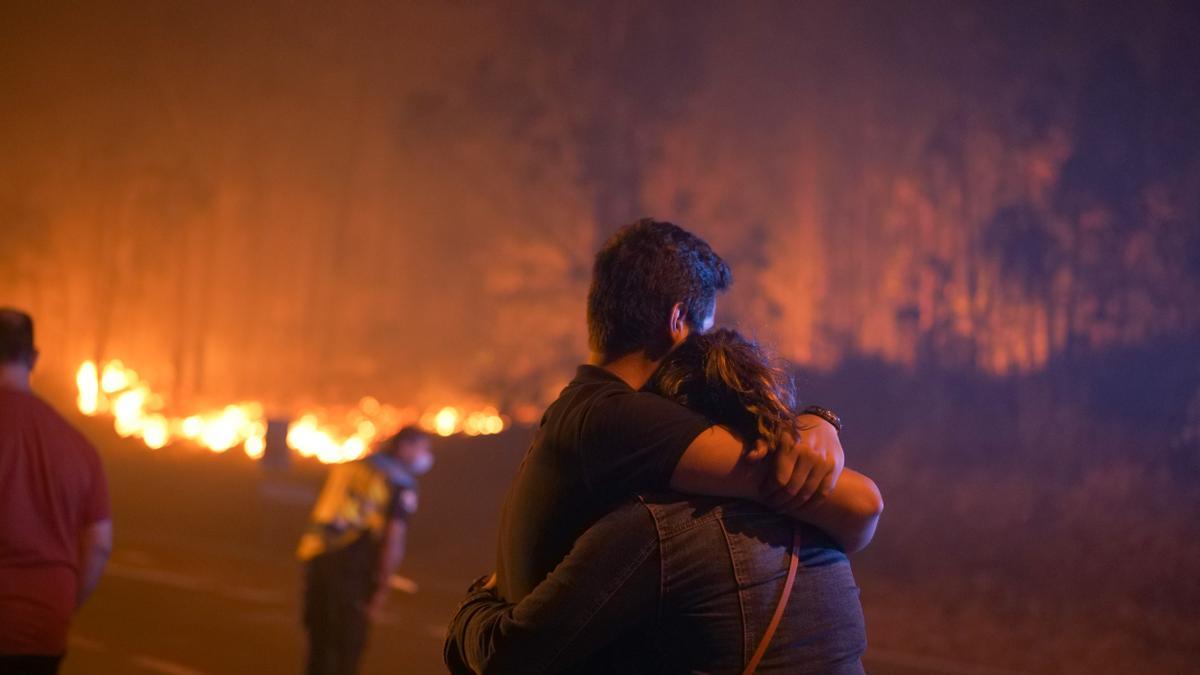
x=733, y=382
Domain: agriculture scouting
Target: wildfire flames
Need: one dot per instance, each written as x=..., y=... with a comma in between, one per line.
x=330, y=436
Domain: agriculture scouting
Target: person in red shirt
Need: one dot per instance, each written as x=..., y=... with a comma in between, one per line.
x=55, y=529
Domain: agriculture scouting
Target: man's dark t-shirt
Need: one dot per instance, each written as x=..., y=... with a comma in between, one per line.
x=599, y=444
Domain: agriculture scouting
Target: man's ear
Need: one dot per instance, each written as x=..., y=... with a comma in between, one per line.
x=33, y=357
x=679, y=326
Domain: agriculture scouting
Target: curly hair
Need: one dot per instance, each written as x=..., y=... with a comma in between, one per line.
x=639, y=274
x=730, y=380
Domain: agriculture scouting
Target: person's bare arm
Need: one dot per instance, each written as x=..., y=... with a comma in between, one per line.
x=849, y=514
x=392, y=551
x=95, y=545
x=715, y=464
x=391, y=554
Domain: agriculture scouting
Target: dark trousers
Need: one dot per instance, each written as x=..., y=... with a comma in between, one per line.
x=29, y=664
x=337, y=588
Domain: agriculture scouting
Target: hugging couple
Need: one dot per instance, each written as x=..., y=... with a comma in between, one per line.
x=675, y=512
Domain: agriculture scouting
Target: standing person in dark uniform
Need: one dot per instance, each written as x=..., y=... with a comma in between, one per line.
x=355, y=540
x=55, y=530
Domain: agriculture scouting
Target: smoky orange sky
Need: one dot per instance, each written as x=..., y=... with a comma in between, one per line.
x=308, y=202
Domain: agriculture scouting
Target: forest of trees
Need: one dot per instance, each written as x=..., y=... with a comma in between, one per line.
x=307, y=205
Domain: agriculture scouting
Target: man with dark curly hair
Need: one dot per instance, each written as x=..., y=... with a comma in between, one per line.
x=605, y=440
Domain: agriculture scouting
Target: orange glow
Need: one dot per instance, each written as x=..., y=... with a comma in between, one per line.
x=191, y=427
x=310, y=438
x=256, y=443
x=327, y=436
x=333, y=436
x=445, y=421
x=369, y=405
x=366, y=429
x=89, y=388
x=486, y=421
x=528, y=413
x=135, y=410
x=128, y=411
x=155, y=432
x=116, y=377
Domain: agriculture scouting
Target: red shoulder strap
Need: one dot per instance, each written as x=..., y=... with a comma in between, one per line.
x=793, y=563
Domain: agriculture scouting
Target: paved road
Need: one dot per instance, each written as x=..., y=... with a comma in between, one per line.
x=180, y=608
x=170, y=607
x=202, y=579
